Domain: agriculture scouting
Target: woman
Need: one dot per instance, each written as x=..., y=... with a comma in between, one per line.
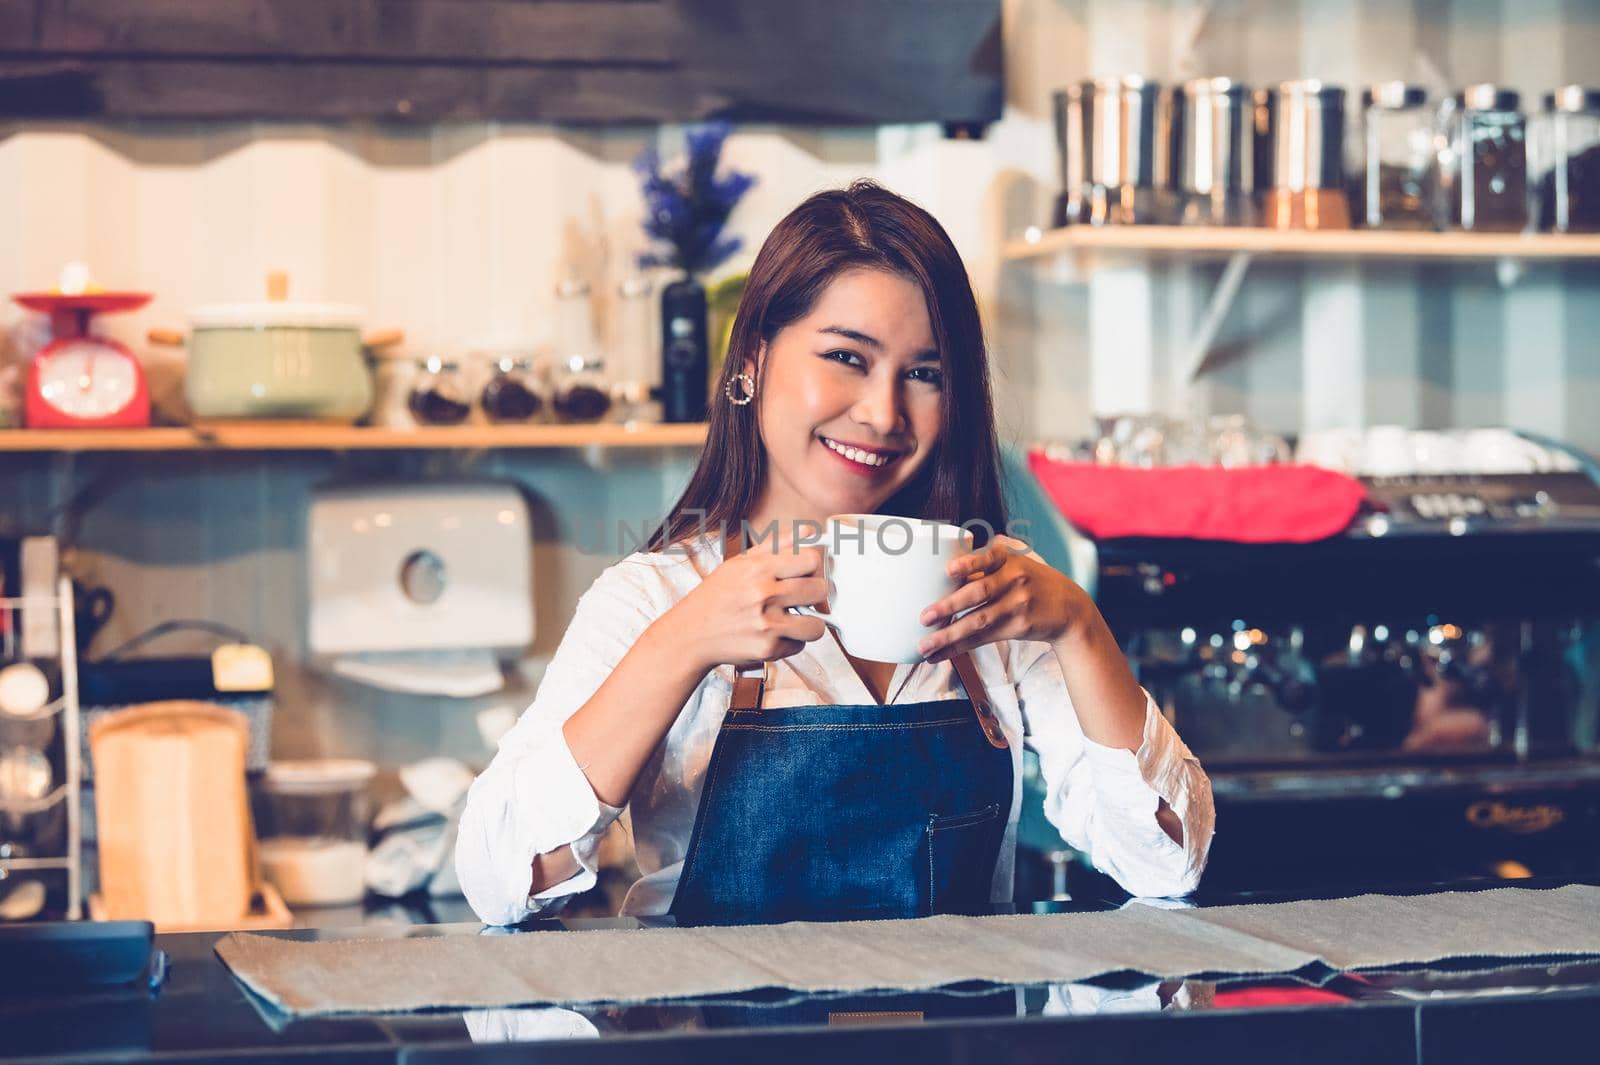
x=856, y=382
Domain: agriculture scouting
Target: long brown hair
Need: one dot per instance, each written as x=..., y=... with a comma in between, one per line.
x=864, y=225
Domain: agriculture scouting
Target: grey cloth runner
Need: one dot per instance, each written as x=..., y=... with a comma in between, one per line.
x=465, y=972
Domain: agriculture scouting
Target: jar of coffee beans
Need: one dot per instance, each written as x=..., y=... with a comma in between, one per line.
x=439, y=395
x=514, y=393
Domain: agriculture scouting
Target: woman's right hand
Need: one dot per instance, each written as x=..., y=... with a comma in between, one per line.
x=737, y=614
x=740, y=612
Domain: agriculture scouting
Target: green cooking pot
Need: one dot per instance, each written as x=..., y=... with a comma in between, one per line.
x=277, y=359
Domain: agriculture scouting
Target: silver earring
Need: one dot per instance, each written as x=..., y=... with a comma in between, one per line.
x=747, y=385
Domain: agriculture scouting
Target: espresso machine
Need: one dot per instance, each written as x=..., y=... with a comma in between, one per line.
x=1413, y=701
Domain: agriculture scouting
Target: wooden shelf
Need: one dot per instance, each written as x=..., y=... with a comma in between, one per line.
x=300, y=436
x=1221, y=241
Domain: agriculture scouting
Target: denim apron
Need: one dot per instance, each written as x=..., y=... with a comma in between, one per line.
x=829, y=813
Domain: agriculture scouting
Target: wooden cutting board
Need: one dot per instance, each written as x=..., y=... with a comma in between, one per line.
x=175, y=835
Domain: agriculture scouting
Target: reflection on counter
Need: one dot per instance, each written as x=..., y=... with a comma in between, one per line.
x=1127, y=996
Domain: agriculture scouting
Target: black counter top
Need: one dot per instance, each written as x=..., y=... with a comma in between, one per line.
x=1536, y=1009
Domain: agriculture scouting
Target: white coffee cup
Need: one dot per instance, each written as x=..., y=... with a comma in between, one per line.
x=882, y=572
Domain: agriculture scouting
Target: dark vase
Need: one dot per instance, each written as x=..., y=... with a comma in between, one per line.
x=685, y=361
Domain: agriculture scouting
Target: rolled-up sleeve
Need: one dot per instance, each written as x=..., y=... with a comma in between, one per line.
x=533, y=797
x=1103, y=800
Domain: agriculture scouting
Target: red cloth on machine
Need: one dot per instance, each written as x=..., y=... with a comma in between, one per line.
x=1251, y=505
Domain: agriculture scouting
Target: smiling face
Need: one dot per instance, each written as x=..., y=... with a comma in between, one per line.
x=852, y=399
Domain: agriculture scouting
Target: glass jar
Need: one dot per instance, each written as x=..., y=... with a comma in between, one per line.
x=635, y=354
x=1569, y=161
x=312, y=819
x=514, y=393
x=439, y=395
x=393, y=375
x=580, y=390
x=1398, y=157
x=1483, y=169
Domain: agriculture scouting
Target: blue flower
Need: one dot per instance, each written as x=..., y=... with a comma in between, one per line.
x=686, y=209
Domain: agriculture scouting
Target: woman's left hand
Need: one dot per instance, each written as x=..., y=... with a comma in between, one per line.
x=1009, y=596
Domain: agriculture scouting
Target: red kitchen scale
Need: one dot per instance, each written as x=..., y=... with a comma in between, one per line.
x=82, y=381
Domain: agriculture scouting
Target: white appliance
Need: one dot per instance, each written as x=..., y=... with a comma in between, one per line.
x=416, y=587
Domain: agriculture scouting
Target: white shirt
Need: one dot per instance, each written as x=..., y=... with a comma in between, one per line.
x=533, y=797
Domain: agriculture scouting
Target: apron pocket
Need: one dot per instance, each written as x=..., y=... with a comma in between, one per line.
x=958, y=871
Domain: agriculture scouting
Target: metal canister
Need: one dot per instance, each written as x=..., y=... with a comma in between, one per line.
x=1122, y=132
x=1069, y=148
x=1216, y=160
x=1263, y=120
x=1308, y=189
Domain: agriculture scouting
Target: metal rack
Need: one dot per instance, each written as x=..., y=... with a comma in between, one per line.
x=69, y=790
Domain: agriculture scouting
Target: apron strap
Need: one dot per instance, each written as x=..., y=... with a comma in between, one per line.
x=749, y=678
x=968, y=672
x=748, y=687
